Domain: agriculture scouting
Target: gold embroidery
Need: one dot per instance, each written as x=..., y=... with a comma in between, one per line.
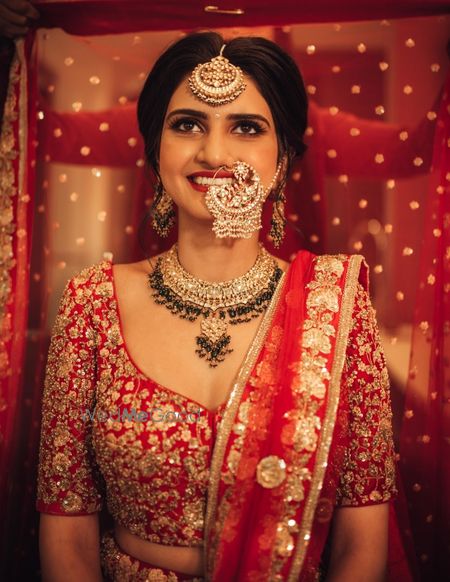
x=309, y=387
x=121, y=567
x=66, y=470
x=8, y=191
x=329, y=270
x=156, y=472
x=369, y=467
x=271, y=471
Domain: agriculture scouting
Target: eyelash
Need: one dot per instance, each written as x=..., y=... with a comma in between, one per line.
x=177, y=123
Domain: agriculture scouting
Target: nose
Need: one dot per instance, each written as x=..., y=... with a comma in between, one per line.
x=214, y=151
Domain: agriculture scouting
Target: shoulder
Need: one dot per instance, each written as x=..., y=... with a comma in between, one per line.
x=91, y=274
x=89, y=283
x=133, y=269
x=332, y=261
x=348, y=267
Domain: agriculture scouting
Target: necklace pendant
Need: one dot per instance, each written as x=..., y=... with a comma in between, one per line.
x=213, y=328
x=213, y=341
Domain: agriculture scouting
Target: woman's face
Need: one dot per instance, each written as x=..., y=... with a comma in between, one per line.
x=198, y=139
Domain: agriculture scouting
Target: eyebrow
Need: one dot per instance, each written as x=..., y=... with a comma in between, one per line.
x=230, y=117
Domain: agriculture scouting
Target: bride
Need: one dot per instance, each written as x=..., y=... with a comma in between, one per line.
x=239, y=412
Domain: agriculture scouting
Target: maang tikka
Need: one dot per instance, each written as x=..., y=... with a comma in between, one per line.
x=217, y=81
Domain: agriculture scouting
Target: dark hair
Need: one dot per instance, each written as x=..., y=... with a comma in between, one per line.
x=273, y=71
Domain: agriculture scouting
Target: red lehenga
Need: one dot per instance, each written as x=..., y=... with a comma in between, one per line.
x=306, y=428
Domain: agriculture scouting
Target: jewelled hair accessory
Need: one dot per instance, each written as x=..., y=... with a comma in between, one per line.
x=218, y=81
x=218, y=304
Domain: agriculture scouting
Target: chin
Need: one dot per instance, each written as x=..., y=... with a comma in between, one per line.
x=199, y=214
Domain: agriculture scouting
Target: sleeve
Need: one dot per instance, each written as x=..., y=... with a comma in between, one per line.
x=368, y=471
x=69, y=482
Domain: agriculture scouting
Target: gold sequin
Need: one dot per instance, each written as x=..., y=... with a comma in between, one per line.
x=271, y=472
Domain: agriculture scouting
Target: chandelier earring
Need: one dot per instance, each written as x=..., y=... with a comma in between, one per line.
x=163, y=215
x=278, y=220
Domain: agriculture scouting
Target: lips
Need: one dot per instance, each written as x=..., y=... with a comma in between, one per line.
x=201, y=181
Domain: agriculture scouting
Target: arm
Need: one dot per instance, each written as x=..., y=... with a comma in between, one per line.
x=367, y=478
x=70, y=487
x=359, y=544
x=69, y=548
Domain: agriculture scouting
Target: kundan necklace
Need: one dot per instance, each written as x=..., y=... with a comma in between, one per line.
x=219, y=304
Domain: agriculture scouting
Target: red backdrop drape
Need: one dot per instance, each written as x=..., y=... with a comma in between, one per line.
x=425, y=436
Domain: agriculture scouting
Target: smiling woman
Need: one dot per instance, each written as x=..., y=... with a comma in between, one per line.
x=194, y=138
x=281, y=362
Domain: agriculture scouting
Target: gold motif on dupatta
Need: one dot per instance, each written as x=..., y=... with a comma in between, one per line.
x=271, y=471
x=284, y=541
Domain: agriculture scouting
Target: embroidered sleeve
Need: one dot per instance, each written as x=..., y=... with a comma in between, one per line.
x=68, y=479
x=368, y=474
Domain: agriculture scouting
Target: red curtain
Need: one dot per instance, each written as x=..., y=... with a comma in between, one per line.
x=425, y=439
x=92, y=17
x=334, y=157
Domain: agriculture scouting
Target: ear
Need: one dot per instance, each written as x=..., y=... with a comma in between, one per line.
x=280, y=180
x=282, y=169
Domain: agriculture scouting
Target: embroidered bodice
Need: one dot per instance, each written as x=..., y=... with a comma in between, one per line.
x=106, y=423
x=111, y=433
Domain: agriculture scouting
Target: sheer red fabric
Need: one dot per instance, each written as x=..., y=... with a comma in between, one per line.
x=425, y=438
x=304, y=405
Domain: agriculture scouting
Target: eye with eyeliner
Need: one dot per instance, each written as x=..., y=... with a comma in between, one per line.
x=178, y=123
x=257, y=128
x=181, y=125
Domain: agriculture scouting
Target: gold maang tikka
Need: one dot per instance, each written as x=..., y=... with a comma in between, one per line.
x=237, y=207
x=218, y=81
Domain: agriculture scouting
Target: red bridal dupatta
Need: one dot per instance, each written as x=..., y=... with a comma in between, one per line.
x=280, y=452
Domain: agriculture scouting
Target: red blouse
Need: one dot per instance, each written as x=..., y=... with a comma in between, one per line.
x=110, y=432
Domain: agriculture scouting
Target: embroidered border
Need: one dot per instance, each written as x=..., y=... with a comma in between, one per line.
x=325, y=437
x=229, y=415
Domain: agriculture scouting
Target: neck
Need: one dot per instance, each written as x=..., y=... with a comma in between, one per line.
x=212, y=259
